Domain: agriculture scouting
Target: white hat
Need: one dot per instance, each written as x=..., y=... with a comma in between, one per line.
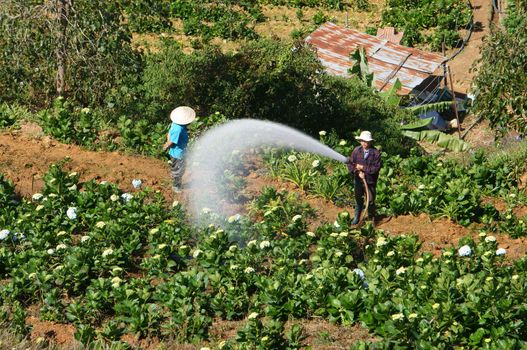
x=182, y=115
x=364, y=136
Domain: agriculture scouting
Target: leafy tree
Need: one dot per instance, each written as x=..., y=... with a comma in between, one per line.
x=86, y=39
x=501, y=82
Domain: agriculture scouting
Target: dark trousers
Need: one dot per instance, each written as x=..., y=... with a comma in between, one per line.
x=177, y=168
x=360, y=194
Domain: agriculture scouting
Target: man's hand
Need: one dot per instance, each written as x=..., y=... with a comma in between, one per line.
x=167, y=145
x=361, y=174
x=359, y=167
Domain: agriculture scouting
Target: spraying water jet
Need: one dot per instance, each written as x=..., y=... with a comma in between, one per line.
x=207, y=157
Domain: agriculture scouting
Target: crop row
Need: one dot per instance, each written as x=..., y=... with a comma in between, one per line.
x=113, y=263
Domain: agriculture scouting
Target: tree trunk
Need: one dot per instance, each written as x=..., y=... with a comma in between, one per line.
x=63, y=7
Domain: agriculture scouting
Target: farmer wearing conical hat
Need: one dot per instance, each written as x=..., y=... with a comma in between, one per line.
x=364, y=164
x=177, y=140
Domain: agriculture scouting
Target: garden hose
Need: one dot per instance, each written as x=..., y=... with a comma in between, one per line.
x=365, y=212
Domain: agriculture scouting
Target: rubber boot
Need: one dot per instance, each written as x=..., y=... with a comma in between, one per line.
x=356, y=219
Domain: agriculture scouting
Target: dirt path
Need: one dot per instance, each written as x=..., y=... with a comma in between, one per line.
x=24, y=160
x=462, y=63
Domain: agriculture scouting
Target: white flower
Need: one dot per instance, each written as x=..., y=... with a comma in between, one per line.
x=204, y=348
x=322, y=133
x=344, y=234
x=482, y=234
x=315, y=163
x=336, y=224
x=435, y=306
x=3, y=234
x=338, y=254
x=127, y=197
x=233, y=248
x=196, y=253
x=85, y=110
x=248, y=270
x=264, y=244
x=73, y=187
x=310, y=234
x=72, y=213
x=100, y=224
x=490, y=239
x=512, y=195
x=61, y=233
x=297, y=217
x=412, y=316
x=447, y=253
x=419, y=260
x=381, y=241
x=50, y=251
x=464, y=251
x=515, y=277
x=501, y=251
x=251, y=243
x=137, y=183
x=37, y=196
x=107, y=252
x=39, y=207
x=103, y=182
x=292, y=158
x=360, y=273
x=234, y=267
x=421, y=187
x=391, y=253
x=114, y=197
x=400, y=270
x=396, y=317
x=175, y=204
x=253, y=315
x=61, y=246
x=85, y=238
x=117, y=269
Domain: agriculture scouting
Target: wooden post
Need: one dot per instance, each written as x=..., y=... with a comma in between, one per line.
x=454, y=102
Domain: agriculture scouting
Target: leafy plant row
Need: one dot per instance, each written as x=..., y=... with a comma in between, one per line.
x=415, y=184
x=113, y=263
x=428, y=21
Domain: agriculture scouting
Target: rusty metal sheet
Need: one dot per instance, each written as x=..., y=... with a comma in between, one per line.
x=387, y=60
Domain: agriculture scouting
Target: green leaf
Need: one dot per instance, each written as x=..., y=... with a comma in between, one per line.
x=418, y=124
x=439, y=138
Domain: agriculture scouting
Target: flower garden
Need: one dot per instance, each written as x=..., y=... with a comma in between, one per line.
x=113, y=263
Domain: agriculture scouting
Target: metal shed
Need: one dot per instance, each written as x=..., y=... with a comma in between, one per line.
x=388, y=61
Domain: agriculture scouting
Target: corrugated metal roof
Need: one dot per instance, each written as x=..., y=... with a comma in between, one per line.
x=388, y=61
x=389, y=34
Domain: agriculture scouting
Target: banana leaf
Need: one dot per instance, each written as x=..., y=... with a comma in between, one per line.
x=439, y=138
x=418, y=124
x=437, y=106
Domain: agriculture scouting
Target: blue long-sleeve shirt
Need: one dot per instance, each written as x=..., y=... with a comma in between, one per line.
x=178, y=135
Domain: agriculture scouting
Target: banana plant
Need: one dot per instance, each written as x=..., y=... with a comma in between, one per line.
x=452, y=143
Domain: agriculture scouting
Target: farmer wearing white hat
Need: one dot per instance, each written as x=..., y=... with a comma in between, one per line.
x=364, y=164
x=177, y=139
